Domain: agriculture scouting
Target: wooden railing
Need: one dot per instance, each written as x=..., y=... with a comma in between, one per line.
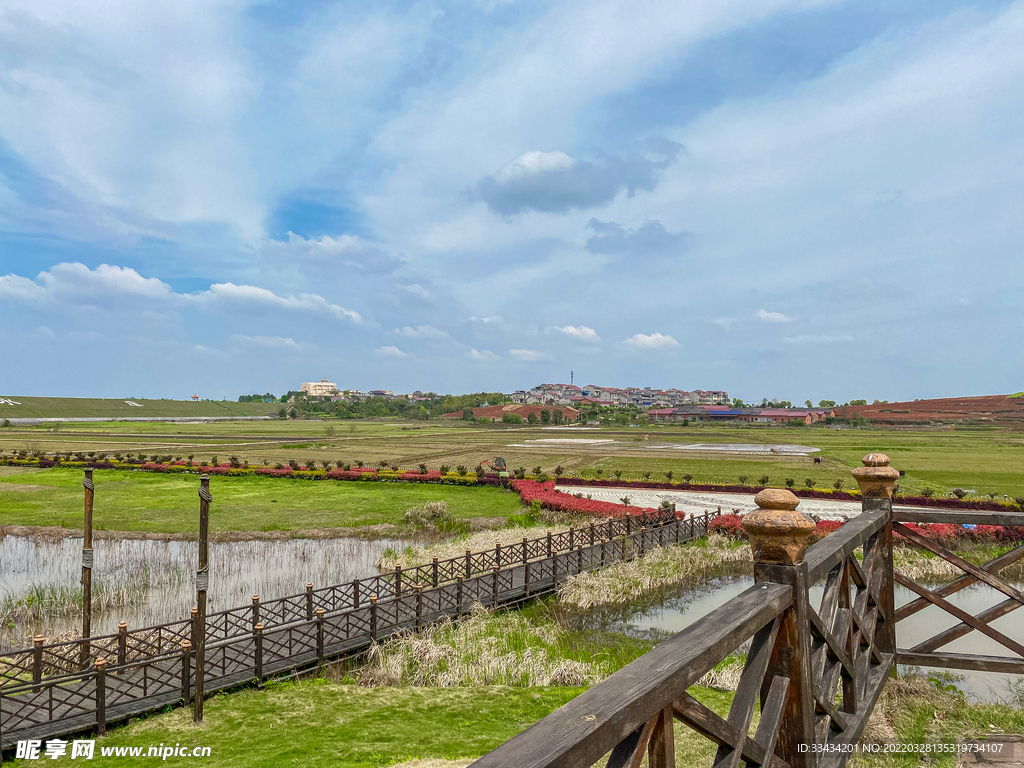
x=814, y=672
x=44, y=692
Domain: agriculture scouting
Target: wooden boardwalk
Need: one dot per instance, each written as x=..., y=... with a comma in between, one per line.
x=45, y=693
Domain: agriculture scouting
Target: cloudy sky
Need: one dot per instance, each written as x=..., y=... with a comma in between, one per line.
x=782, y=198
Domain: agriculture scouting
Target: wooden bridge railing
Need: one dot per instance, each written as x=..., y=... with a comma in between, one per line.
x=46, y=659
x=138, y=674
x=815, y=672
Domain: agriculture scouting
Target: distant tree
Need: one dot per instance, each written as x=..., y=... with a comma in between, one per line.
x=669, y=475
x=293, y=413
x=808, y=403
x=511, y=418
x=959, y=492
x=790, y=482
x=838, y=485
x=545, y=416
x=687, y=477
x=467, y=414
x=742, y=479
x=859, y=402
x=556, y=416
x=559, y=470
x=809, y=482
x=826, y=403
x=531, y=417
x=764, y=480
x=461, y=469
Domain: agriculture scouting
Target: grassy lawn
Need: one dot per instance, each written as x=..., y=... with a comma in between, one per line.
x=321, y=723
x=140, y=501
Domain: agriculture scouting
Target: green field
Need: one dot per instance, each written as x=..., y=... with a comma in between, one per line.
x=137, y=501
x=981, y=459
x=87, y=407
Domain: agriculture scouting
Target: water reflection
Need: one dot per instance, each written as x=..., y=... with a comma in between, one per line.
x=145, y=582
x=674, y=610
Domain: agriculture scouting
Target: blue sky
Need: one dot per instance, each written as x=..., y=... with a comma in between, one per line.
x=780, y=198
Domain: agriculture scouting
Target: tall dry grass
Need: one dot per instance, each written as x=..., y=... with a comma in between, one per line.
x=660, y=567
x=482, y=649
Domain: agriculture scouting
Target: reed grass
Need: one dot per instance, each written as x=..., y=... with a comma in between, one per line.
x=623, y=582
x=521, y=649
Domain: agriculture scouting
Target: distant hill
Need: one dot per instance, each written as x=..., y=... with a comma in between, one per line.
x=87, y=407
x=1005, y=410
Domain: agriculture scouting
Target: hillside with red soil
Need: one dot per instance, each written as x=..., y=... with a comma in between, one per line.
x=1001, y=410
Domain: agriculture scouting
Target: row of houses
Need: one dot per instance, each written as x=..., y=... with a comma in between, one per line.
x=592, y=394
x=325, y=388
x=749, y=415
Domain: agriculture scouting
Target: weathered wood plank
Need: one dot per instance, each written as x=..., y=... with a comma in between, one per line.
x=970, y=661
x=956, y=516
x=706, y=722
x=993, y=566
x=580, y=732
x=993, y=581
x=836, y=547
x=953, y=633
x=961, y=614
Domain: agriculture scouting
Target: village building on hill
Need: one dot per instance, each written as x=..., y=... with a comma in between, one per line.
x=496, y=412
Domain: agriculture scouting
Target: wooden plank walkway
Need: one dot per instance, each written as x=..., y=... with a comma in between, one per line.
x=252, y=644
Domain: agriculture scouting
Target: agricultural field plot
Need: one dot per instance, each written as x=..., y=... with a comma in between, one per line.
x=980, y=459
x=137, y=501
x=18, y=407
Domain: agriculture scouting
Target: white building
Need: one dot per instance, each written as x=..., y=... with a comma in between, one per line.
x=322, y=388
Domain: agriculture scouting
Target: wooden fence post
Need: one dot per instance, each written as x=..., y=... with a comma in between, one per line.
x=355, y=593
x=101, y=696
x=433, y=572
x=572, y=532
x=192, y=615
x=579, y=559
x=309, y=601
x=625, y=545
x=629, y=523
x=494, y=587
x=90, y=491
x=497, y=554
x=186, y=672
x=320, y=635
x=202, y=584
x=37, y=661
x=458, y=596
x=469, y=562
x=258, y=652
x=373, y=618
x=122, y=643
x=593, y=534
x=398, y=581
x=778, y=536
x=604, y=547
x=419, y=607
x=255, y=610
x=547, y=551
x=877, y=480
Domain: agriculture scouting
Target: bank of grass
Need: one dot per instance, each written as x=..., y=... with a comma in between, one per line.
x=141, y=501
x=623, y=582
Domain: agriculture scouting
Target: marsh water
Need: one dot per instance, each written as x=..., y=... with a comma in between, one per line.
x=676, y=609
x=145, y=582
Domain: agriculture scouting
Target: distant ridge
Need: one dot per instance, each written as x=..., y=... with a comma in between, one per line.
x=23, y=407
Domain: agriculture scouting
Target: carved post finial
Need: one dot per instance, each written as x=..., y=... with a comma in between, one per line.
x=778, y=532
x=876, y=478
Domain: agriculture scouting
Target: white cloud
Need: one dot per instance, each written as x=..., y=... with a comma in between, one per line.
x=483, y=355
x=391, y=352
x=341, y=251
x=17, y=287
x=250, y=294
x=529, y=354
x=653, y=341
x=773, y=317
x=532, y=164
x=725, y=322
x=420, y=332
x=417, y=290
x=579, y=331
x=486, y=320
x=279, y=342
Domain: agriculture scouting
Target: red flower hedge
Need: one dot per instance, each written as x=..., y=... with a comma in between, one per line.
x=558, y=501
